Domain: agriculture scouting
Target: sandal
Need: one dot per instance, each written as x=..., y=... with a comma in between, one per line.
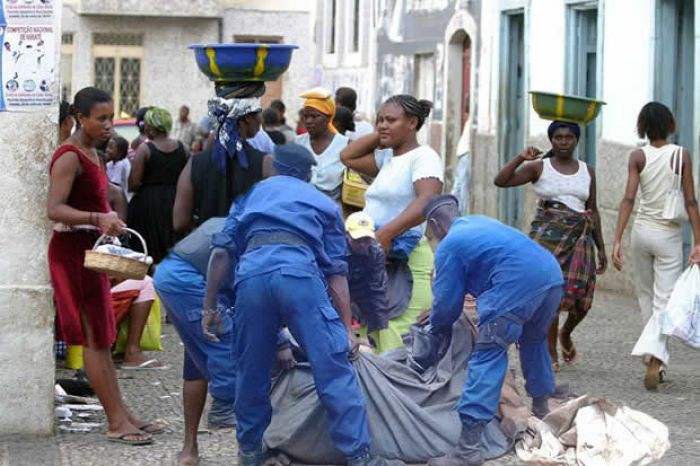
x=569, y=356
x=130, y=438
x=155, y=427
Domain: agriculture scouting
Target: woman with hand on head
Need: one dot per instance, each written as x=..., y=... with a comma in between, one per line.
x=77, y=203
x=567, y=223
x=407, y=175
x=657, y=243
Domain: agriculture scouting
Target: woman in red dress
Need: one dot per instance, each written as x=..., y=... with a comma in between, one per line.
x=77, y=203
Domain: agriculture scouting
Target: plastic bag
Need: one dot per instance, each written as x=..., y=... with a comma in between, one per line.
x=150, y=339
x=681, y=318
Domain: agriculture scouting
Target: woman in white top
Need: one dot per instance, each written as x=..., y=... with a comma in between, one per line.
x=567, y=223
x=407, y=176
x=324, y=141
x=657, y=244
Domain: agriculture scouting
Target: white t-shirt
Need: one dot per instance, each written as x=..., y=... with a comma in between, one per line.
x=392, y=190
x=362, y=128
x=327, y=175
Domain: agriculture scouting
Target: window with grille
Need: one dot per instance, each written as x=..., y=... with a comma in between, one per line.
x=117, y=69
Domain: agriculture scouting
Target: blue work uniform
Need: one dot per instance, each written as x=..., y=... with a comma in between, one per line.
x=180, y=283
x=289, y=237
x=518, y=286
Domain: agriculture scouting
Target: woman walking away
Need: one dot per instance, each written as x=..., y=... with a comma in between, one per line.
x=324, y=141
x=657, y=243
x=153, y=179
x=567, y=223
x=77, y=203
x=407, y=175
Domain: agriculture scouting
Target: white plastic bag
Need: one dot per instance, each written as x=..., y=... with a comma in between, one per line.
x=681, y=318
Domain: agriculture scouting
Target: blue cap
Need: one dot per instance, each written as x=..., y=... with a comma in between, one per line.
x=439, y=201
x=293, y=160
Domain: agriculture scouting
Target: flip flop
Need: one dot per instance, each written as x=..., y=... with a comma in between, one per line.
x=145, y=366
x=123, y=439
x=156, y=422
x=569, y=356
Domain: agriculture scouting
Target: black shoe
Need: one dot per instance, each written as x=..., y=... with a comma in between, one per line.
x=468, y=451
x=540, y=406
x=221, y=415
x=253, y=458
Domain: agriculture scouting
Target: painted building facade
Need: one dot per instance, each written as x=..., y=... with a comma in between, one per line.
x=624, y=52
x=138, y=50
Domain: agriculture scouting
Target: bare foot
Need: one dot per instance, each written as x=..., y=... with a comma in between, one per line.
x=188, y=457
x=135, y=359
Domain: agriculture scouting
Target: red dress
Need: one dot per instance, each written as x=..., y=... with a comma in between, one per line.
x=77, y=289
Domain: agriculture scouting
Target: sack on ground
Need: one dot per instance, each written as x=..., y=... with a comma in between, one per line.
x=682, y=316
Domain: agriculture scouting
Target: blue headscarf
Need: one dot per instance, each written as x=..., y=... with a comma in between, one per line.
x=576, y=129
x=229, y=143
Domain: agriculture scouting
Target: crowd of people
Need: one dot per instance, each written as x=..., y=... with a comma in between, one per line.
x=243, y=212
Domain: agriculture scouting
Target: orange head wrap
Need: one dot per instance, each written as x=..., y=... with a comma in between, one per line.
x=321, y=100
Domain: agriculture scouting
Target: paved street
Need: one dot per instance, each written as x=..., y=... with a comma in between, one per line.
x=605, y=369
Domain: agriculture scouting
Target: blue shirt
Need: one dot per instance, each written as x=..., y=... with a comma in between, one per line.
x=290, y=205
x=495, y=263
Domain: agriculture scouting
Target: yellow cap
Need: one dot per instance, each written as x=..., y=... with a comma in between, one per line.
x=359, y=225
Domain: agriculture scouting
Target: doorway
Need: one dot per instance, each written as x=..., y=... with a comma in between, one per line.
x=582, y=68
x=675, y=72
x=512, y=109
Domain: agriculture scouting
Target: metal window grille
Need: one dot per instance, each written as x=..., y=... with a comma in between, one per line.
x=118, y=38
x=129, y=85
x=67, y=38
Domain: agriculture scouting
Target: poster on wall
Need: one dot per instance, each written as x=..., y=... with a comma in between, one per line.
x=28, y=68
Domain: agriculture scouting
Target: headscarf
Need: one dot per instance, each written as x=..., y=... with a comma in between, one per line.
x=576, y=129
x=321, y=100
x=229, y=143
x=159, y=118
x=293, y=160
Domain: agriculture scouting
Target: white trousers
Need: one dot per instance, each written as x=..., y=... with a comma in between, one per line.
x=658, y=262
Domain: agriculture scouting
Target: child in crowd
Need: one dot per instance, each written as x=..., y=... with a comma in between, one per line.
x=367, y=277
x=118, y=166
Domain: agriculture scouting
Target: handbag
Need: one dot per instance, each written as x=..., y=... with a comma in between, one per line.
x=674, y=208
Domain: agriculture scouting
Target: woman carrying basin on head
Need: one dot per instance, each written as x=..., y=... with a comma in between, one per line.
x=567, y=223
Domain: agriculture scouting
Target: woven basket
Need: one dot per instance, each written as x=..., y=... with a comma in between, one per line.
x=354, y=188
x=117, y=266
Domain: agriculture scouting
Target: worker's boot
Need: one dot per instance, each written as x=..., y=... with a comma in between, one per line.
x=221, y=415
x=253, y=458
x=540, y=406
x=468, y=451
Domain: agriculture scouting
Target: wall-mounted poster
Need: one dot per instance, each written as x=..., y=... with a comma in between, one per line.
x=28, y=71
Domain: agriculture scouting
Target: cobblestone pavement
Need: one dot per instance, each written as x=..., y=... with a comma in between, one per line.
x=604, y=369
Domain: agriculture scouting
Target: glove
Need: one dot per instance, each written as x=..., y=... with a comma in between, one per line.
x=212, y=324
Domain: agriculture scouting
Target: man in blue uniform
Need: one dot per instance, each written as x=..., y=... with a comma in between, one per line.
x=180, y=282
x=290, y=240
x=518, y=287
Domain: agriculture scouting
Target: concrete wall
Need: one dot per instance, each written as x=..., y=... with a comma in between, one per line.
x=140, y=8
x=626, y=84
x=26, y=315
x=295, y=28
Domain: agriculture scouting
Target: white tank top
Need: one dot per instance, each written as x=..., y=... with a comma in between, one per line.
x=654, y=183
x=571, y=190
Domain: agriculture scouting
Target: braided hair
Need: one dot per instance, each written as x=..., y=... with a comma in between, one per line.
x=412, y=107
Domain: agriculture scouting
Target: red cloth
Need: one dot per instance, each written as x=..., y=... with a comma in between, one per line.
x=121, y=302
x=76, y=288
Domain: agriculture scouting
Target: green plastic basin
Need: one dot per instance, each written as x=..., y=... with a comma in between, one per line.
x=573, y=109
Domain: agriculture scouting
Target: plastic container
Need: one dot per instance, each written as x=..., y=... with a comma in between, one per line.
x=569, y=108
x=74, y=357
x=243, y=62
